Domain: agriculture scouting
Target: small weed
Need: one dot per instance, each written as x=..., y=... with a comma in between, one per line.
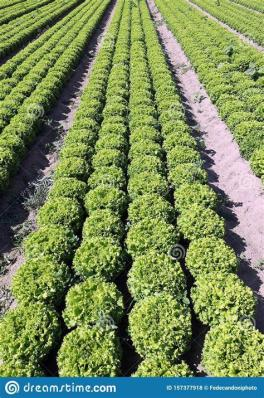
x=6, y=300
x=21, y=231
x=229, y=51
x=198, y=98
x=5, y=261
x=260, y=264
x=36, y=195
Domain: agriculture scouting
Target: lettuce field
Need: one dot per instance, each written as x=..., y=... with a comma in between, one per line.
x=131, y=188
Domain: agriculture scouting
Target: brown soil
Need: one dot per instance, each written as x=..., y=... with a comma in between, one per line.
x=242, y=195
x=227, y=27
x=41, y=160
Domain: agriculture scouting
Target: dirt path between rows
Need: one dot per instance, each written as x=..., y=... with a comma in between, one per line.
x=229, y=174
x=41, y=159
x=244, y=38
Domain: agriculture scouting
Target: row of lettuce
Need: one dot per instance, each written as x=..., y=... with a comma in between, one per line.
x=97, y=148
x=18, y=67
x=35, y=326
x=256, y=5
x=160, y=321
x=93, y=348
x=21, y=9
x=241, y=19
x=231, y=71
x=154, y=177
x=220, y=300
x=21, y=64
x=37, y=81
x=8, y=3
x=16, y=33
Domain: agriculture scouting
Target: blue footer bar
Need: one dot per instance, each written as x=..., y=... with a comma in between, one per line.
x=132, y=387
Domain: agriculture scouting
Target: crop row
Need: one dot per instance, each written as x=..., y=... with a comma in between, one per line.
x=105, y=203
x=21, y=63
x=21, y=9
x=220, y=299
x=33, y=56
x=238, y=18
x=8, y=3
x=19, y=88
x=253, y=4
x=36, y=93
x=231, y=71
x=192, y=198
x=42, y=281
x=101, y=168
x=100, y=257
x=160, y=321
x=95, y=302
x=16, y=33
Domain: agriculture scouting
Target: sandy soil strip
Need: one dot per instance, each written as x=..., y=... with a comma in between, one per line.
x=229, y=174
x=41, y=160
x=227, y=27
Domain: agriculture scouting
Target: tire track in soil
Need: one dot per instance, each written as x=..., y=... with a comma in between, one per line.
x=242, y=37
x=41, y=160
x=241, y=192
